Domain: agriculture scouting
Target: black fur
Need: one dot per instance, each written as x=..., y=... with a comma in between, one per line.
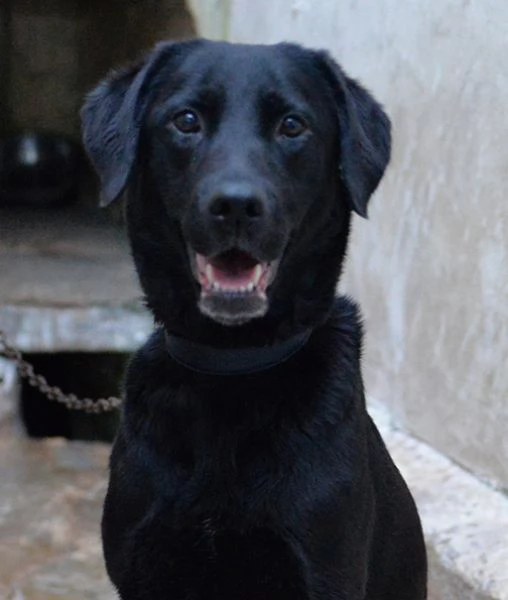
x=274, y=485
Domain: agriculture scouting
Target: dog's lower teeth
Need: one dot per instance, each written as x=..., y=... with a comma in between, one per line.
x=216, y=287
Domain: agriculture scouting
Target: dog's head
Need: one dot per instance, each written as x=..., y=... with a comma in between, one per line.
x=241, y=166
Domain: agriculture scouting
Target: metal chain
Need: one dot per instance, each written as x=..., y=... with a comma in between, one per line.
x=71, y=401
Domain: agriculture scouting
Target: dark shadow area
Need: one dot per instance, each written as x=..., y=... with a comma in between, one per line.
x=85, y=374
x=52, y=53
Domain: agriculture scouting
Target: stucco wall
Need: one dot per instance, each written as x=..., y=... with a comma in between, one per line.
x=430, y=266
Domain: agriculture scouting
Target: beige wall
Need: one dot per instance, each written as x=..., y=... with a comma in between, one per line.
x=430, y=266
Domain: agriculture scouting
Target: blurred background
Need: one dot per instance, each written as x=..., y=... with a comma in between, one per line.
x=429, y=267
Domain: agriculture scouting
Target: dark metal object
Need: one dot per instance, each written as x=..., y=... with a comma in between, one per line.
x=38, y=169
x=71, y=401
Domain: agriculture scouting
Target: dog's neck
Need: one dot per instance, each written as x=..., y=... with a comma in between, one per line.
x=208, y=360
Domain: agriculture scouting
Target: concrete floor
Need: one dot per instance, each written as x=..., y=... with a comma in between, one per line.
x=69, y=257
x=51, y=494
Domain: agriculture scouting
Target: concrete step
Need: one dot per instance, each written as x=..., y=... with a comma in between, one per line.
x=465, y=521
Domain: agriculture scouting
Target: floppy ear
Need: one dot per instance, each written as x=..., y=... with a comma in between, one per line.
x=365, y=135
x=112, y=118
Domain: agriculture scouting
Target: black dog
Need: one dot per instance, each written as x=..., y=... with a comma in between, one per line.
x=246, y=466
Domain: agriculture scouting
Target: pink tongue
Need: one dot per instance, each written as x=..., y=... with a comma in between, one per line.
x=233, y=279
x=228, y=274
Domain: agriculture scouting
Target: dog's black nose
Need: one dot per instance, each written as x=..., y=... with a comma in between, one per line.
x=236, y=203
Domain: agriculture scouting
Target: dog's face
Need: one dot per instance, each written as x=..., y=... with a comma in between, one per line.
x=242, y=164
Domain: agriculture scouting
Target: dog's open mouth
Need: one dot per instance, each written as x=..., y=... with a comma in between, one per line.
x=233, y=272
x=233, y=286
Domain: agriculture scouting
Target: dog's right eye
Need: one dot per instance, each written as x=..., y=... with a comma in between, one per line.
x=187, y=121
x=292, y=126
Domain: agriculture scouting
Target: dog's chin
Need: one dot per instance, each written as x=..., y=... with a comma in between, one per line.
x=233, y=286
x=232, y=310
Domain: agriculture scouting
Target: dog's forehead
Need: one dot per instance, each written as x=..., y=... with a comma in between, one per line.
x=239, y=69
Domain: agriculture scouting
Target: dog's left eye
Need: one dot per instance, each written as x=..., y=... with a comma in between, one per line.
x=292, y=126
x=187, y=121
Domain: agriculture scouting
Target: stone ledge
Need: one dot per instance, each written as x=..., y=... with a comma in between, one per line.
x=87, y=329
x=465, y=521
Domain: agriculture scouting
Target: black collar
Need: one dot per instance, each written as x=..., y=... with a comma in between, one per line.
x=232, y=361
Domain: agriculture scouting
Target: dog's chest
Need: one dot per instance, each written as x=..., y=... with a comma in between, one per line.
x=223, y=525
x=206, y=561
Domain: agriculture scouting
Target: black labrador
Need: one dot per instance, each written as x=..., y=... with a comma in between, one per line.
x=246, y=466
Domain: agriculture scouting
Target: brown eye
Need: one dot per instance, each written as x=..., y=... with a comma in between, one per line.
x=292, y=126
x=187, y=121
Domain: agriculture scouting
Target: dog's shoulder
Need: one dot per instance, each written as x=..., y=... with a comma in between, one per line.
x=346, y=326
x=147, y=366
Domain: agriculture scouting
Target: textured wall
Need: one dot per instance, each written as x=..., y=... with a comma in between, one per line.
x=211, y=17
x=429, y=267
